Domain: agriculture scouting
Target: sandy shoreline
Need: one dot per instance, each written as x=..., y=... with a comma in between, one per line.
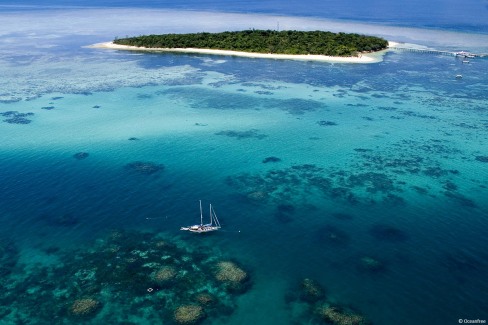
x=364, y=58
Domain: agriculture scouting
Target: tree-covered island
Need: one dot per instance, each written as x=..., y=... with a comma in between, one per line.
x=265, y=41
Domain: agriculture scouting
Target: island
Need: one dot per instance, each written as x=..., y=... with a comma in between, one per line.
x=288, y=44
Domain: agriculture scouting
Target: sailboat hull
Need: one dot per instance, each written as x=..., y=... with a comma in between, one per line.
x=200, y=228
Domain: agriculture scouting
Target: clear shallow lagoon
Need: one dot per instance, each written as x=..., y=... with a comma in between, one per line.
x=385, y=160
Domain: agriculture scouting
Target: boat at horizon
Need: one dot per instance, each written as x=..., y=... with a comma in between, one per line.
x=201, y=228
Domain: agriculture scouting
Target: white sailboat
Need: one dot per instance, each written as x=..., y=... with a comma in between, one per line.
x=212, y=226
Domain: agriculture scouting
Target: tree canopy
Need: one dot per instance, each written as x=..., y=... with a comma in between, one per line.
x=265, y=41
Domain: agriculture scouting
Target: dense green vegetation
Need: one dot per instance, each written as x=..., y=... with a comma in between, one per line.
x=265, y=41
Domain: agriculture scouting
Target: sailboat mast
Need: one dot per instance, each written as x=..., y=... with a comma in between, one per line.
x=214, y=218
x=210, y=214
x=201, y=213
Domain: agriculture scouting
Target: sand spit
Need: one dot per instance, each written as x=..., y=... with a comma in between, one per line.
x=363, y=58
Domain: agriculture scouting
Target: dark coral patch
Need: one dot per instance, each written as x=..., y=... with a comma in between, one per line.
x=450, y=186
x=482, y=158
x=284, y=213
x=9, y=255
x=362, y=150
x=370, y=264
x=60, y=220
x=253, y=133
x=81, y=155
x=15, y=117
x=17, y=120
x=145, y=167
x=271, y=159
x=420, y=190
x=65, y=220
x=326, y=123
x=461, y=199
x=388, y=233
x=333, y=236
x=343, y=216
x=393, y=200
x=374, y=182
x=263, y=92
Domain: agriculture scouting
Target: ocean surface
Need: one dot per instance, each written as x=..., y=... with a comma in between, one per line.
x=342, y=189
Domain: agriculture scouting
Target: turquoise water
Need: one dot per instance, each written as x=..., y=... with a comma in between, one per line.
x=385, y=160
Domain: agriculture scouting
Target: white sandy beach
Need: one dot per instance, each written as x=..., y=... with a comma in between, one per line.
x=364, y=58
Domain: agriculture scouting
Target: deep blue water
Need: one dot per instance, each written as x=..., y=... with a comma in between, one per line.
x=470, y=15
x=383, y=162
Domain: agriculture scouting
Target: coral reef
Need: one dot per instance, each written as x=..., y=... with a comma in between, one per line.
x=374, y=182
x=189, y=314
x=388, y=233
x=164, y=275
x=450, y=186
x=271, y=159
x=337, y=315
x=116, y=278
x=8, y=257
x=284, y=213
x=369, y=263
x=333, y=235
x=326, y=123
x=298, y=182
x=205, y=99
x=84, y=307
x=257, y=196
x=205, y=299
x=15, y=117
x=253, y=133
x=145, y=167
x=315, y=308
x=231, y=275
x=311, y=290
x=461, y=199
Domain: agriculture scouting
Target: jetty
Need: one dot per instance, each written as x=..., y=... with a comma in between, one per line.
x=460, y=54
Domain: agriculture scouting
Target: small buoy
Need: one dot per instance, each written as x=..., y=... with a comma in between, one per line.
x=150, y=289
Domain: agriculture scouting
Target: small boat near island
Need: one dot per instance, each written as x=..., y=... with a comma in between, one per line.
x=465, y=54
x=212, y=226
